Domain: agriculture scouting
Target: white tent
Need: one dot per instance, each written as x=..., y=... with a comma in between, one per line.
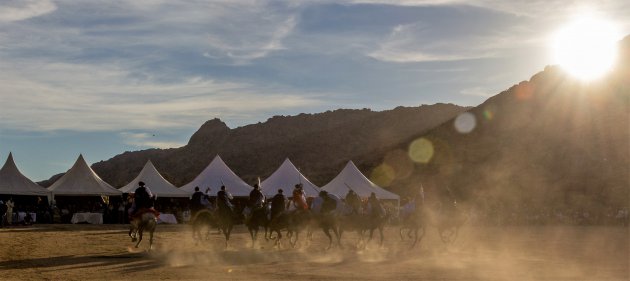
x=159, y=185
x=351, y=177
x=81, y=180
x=214, y=176
x=286, y=177
x=13, y=182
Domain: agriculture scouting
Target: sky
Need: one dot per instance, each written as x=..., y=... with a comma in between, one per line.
x=104, y=77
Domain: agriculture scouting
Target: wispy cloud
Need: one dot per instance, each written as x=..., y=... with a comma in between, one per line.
x=16, y=10
x=477, y=91
x=100, y=98
x=144, y=140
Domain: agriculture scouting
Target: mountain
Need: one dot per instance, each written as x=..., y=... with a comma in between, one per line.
x=319, y=144
x=550, y=142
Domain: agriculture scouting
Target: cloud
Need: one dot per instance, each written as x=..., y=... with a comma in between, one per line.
x=56, y=96
x=144, y=140
x=477, y=91
x=16, y=10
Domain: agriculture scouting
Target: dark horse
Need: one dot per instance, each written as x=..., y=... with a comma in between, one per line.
x=293, y=222
x=327, y=222
x=414, y=223
x=365, y=222
x=226, y=219
x=256, y=218
x=448, y=223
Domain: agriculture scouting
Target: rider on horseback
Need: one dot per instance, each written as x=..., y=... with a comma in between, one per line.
x=224, y=201
x=143, y=200
x=256, y=198
x=375, y=208
x=277, y=204
x=328, y=204
x=353, y=200
x=195, y=201
x=299, y=198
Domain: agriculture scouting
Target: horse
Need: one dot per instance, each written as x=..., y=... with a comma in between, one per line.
x=226, y=219
x=256, y=218
x=448, y=223
x=364, y=222
x=145, y=221
x=327, y=222
x=293, y=222
x=415, y=222
x=203, y=218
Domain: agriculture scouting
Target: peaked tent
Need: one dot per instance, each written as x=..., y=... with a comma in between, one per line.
x=214, y=176
x=13, y=182
x=158, y=184
x=351, y=177
x=286, y=177
x=81, y=180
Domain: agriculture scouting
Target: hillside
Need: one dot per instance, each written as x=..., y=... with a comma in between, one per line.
x=319, y=144
x=550, y=142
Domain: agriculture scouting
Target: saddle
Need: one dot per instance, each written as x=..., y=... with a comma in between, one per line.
x=138, y=214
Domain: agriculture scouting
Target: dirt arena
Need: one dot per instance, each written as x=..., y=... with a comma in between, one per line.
x=97, y=252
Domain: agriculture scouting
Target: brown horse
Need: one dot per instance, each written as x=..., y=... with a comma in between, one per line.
x=362, y=223
x=146, y=221
x=204, y=218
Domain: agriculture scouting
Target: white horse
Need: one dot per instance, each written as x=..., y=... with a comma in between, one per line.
x=138, y=225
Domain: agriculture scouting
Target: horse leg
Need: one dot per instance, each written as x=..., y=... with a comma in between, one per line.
x=380, y=231
x=151, y=238
x=415, y=237
x=139, y=237
x=327, y=232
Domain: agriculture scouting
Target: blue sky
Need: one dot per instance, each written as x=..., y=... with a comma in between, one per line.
x=104, y=77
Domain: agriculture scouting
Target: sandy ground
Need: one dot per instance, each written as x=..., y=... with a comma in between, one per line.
x=89, y=252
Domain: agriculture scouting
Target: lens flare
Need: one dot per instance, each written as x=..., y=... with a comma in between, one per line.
x=383, y=175
x=421, y=150
x=465, y=123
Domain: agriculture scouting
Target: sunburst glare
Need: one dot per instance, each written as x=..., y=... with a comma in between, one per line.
x=587, y=47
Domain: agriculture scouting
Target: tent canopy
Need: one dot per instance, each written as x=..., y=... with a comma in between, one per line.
x=154, y=181
x=286, y=177
x=13, y=182
x=214, y=176
x=81, y=180
x=351, y=177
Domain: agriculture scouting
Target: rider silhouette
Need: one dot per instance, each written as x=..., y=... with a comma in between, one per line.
x=142, y=199
x=256, y=198
x=224, y=201
x=195, y=201
x=353, y=200
x=277, y=204
x=329, y=204
x=374, y=206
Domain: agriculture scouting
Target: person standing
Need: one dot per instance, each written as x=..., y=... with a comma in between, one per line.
x=3, y=212
x=10, y=206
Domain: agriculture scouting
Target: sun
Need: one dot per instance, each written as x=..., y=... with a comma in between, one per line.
x=587, y=47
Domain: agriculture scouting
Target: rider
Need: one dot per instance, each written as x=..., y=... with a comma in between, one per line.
x=353, y=200
x=142, y=199
x=299, y=198
x=195, y=201
x=256, y=198
x=329, y=204
x=224, y=201
x=277, y=204
x=374, y=206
